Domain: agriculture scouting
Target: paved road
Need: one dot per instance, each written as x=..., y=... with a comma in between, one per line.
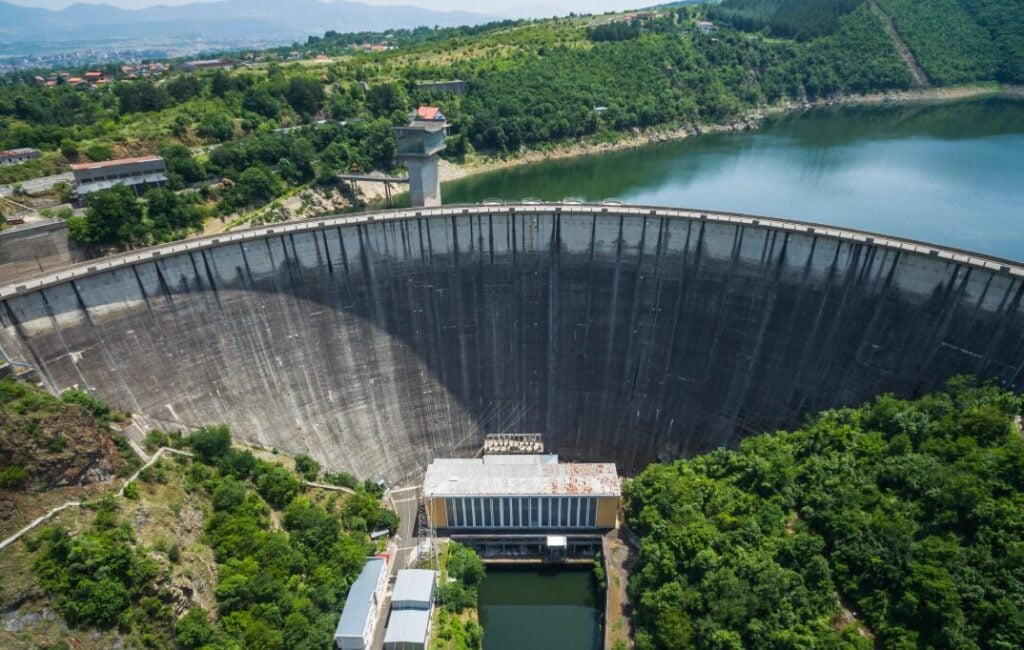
x=406, y=505
x=38, y=184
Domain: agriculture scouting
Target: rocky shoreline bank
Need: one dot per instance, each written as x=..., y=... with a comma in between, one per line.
x=748, y=121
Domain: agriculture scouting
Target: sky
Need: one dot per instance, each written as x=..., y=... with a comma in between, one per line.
x=536, y=7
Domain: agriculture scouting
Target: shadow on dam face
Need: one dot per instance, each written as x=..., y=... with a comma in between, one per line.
x=375, y=342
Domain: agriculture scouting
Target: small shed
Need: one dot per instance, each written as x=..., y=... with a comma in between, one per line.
x=408, y=629
x=414, y=589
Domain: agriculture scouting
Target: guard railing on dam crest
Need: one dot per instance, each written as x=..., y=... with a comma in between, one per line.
x=960, y=256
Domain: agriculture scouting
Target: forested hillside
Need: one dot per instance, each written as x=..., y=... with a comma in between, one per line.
x=955, y=41
x=898, y=521
x=228, y=549
x=230, y=137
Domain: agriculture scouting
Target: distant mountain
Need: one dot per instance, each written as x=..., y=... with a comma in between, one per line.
x=226, y=20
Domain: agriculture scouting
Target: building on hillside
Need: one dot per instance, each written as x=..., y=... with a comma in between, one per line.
x=408, y=629
x=455, y=86
x=18, y=156
x=207, y=64
x=362, y=607
x=705, y=27
x=93, y=76
x=414, y=589
x=137, y=173
x=519, y=493
x=429, y=114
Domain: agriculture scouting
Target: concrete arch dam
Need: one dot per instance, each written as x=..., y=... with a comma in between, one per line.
x=375, y=341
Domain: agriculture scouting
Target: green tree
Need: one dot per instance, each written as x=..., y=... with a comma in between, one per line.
x=193, y=629
x=170, y=215
x=385, y=99
x=184, y=87
x=307, y=467
x=259, y=100
x=305, y=94
x=255, y=185
x=210, y=443
x=113, y=217
x=278, y=486
x=69, y=148
x=216, y=125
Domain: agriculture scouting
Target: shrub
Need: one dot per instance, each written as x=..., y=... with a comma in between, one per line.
x=98, y=152
x=155, y=439
x=456, y=597
x=307, y=467
x=344, y=479
x=99, y=409
x=12, y=477
x=131, y=491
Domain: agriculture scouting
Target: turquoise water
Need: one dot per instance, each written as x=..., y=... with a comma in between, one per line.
x=948, y=173
x=540, y=609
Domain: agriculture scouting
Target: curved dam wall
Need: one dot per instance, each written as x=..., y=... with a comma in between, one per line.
x=375, y=342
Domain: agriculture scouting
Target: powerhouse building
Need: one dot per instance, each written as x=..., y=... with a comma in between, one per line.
x=527, y=493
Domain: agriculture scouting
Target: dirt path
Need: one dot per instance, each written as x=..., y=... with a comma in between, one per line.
x=920, y=78
x=618, y=561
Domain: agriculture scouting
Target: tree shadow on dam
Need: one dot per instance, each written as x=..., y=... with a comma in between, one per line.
x=633, y=339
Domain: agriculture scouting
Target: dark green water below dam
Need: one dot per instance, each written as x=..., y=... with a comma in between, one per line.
x=946, y=173
x=540, y=609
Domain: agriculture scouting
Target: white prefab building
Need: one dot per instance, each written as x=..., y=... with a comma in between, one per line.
x=414, y=589
x=408, y=629
x=362, y=607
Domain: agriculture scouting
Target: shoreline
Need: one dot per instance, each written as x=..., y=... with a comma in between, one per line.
x=747, y=121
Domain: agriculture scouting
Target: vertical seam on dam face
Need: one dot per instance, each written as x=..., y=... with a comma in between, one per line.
x=629, y=334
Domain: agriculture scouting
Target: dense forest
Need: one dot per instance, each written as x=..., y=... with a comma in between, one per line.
x=898, y=521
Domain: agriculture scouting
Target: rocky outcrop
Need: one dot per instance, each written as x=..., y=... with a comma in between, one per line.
x=62, y=448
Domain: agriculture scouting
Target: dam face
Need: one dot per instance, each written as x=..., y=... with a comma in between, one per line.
x=376, y=342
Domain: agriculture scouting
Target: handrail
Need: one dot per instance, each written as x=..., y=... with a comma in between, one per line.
x=131, y=258
x=12, y=362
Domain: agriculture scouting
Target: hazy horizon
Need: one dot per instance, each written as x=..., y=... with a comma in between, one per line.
x=494, y=7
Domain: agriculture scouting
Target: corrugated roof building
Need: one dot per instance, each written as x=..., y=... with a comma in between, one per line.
x=414, y=589
x=18, y=156
x=140, y=173
x=362, y=607
x=408, y=629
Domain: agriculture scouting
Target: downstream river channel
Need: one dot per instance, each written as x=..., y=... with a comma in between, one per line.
x=948, y=173
x=533, y=609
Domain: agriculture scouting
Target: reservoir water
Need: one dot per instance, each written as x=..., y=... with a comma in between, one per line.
x=540, y=609
x=947, y=173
